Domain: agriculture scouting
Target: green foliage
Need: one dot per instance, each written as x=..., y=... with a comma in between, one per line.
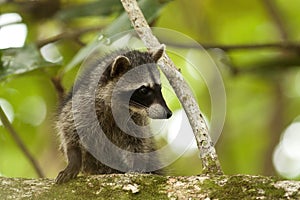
x=21, y=60
x=96, y=8
x=119, y=25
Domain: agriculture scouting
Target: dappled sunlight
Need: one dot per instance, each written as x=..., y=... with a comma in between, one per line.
x=286, y=156
x=14, y=34
x=33, y=110
x=8, y=110
x=180, y=134
x=51, y=53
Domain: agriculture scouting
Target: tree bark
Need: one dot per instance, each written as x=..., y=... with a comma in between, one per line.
x=142, y=186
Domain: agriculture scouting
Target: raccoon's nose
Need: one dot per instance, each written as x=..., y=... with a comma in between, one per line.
x=169, y=114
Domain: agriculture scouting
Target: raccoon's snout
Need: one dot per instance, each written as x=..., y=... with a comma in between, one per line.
x=169, y=114
x=157, y=111
x=151, y=99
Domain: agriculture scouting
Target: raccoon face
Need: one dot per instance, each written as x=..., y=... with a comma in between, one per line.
x=152, y=100
x=140, y=83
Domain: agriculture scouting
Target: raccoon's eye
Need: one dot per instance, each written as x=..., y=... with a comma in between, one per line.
x=145, y=90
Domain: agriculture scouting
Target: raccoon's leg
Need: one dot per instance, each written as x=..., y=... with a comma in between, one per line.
x=91, y=165
x=73, y=167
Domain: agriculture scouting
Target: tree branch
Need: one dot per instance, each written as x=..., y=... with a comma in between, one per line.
x=281, y=45
x=142, y=186
x=208, y=154
x=19, y=142
x=265, y=67
x=56, y=81
x=273, y=12
x=66, y=35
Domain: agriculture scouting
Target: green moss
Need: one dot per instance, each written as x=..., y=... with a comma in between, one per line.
x=242, y=187
x=105, y=187
x=143, y=186
x=212, y=166
x=149, y=185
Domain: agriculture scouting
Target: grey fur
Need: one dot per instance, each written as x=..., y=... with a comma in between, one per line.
x=97, y=123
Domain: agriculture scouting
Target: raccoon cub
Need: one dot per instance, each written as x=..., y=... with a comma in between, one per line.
x=103, y=122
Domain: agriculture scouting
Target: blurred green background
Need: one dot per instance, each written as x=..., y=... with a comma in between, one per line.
x=256, y=45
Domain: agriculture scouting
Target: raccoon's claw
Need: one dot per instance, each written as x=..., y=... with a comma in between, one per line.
x=73, y=167
x=66, y=175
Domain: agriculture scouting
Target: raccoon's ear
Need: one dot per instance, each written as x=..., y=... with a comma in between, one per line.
x=156, y=55
x=120, y=64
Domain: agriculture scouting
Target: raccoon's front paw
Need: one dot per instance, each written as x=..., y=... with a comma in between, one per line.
x=66, y=175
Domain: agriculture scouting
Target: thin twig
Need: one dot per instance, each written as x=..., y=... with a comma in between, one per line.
x=273, y=11
x=210, y=162
x=19, y=142
x=67, y=35
x=56, y=81
x=276, y=125
x=281, y=45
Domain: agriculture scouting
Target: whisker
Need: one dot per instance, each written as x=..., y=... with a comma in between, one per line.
x=137, y=104
x=129, y=118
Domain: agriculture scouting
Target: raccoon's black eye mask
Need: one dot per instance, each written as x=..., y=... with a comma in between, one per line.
x=145, y=95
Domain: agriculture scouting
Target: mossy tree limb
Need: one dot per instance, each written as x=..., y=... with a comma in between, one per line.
x=141, y=186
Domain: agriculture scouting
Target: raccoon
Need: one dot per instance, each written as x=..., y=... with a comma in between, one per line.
x=103, y=122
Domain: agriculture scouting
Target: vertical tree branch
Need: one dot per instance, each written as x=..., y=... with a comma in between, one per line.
x=273, y=11
x=19, y=142
x=208, y=154
x=276, y=126
x=56, y=81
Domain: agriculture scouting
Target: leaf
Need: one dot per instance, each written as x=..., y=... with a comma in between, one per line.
x=21, y=60
x=100, y=7
x=151, y=10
